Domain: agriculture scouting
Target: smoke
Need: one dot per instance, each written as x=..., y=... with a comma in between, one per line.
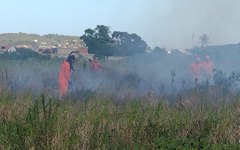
x=30, y=75
x=171, y=24
x=164, y=74
x=136, y=75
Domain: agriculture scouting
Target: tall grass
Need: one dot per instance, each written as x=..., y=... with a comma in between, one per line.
x=203, y=117
x=148, y=122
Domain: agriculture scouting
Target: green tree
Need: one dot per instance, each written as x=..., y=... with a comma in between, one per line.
x=89, y=32
x=130, y=44
x=97, y=41
x=204, y=40
x=101, y=42
x=103, y=33
x=160, y=51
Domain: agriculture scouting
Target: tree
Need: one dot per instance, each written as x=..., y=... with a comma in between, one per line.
x=160, y=51
x=103, y=33
x=100, y=42
x=89, y=32
x=204, y=40
x=129, y=43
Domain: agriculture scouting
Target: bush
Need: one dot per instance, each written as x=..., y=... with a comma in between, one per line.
x=23, y=54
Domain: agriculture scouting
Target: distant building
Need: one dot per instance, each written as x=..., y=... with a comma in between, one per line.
x=11, y=49
x=54, y=50
x=3, y=48
x=24, y=46
x=8, y=48
x=115, y=58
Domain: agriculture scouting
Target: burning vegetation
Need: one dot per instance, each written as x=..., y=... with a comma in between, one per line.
x=150, y=100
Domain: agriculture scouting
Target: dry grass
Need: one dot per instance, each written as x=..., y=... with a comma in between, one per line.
x=45, y=123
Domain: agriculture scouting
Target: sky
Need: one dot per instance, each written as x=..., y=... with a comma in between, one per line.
x=168, y=24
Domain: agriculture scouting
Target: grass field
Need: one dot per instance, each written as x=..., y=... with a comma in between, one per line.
x=100, y=122
x=205, y=117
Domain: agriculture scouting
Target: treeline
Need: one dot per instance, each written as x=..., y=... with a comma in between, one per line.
x=23, y=54
x=102, y=42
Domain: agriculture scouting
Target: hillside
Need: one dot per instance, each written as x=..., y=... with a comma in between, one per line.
x=24, y=38
x=44, y=44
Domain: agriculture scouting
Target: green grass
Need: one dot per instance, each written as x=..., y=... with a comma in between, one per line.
x=148, y=122
x=198, y=118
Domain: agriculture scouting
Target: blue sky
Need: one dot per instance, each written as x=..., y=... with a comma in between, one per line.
x=164, y=23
